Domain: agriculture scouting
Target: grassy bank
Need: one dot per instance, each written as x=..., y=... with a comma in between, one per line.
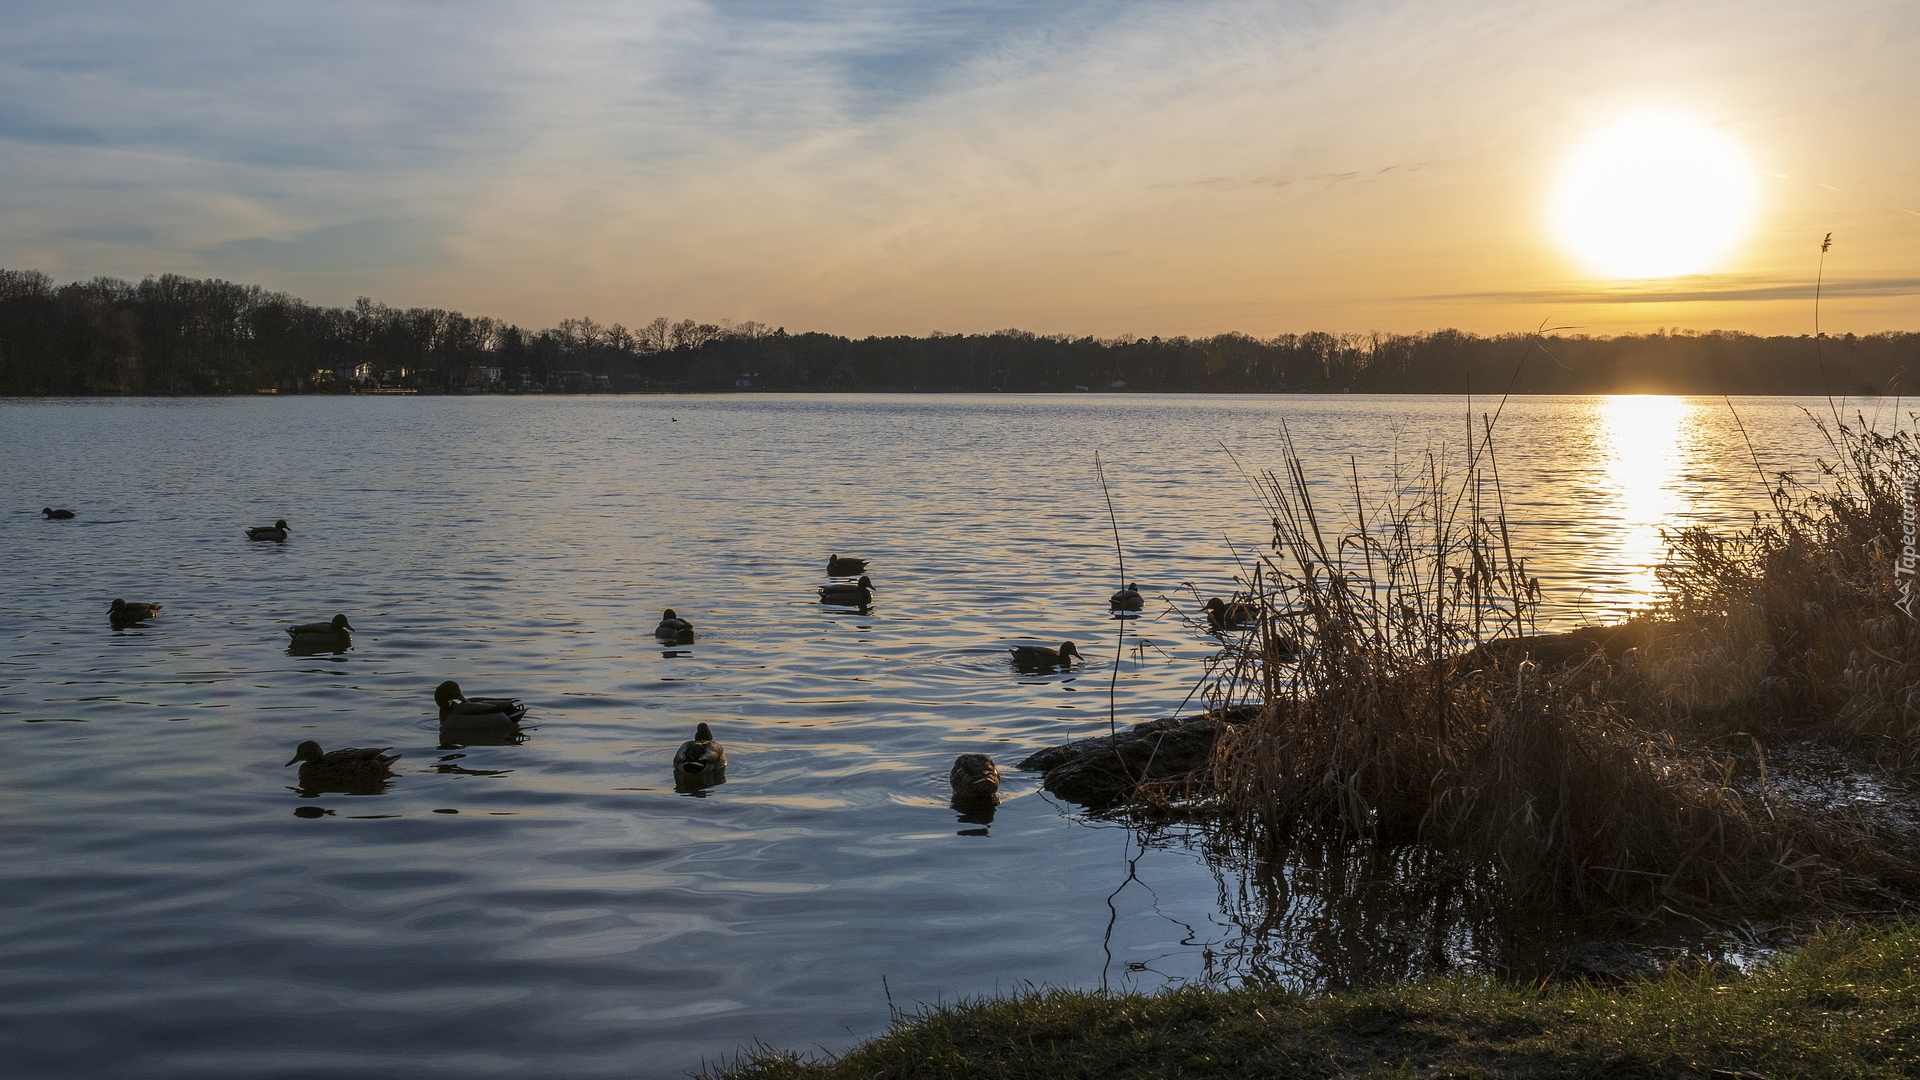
x=1846, y=1004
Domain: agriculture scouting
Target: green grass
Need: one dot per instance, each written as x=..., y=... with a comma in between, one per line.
x=1846, y=1004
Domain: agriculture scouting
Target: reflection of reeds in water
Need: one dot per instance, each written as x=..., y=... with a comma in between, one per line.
x=1419, y=713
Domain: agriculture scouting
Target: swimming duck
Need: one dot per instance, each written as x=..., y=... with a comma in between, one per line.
x=839, y=567
x=975, y=776
x=1127, y=599
x=700, y=754
x=57, y=515
x=1234, y=615
x=276, y=531
x=1039, y=656
x=855, y=594
x=336, y=630
x=351, y=765
x=459, y=710
x=123, y=613
x=673, y=628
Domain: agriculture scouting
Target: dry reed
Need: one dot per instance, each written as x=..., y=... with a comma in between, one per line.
x=1421, y=710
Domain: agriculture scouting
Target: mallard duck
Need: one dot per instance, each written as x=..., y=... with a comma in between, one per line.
x=1039, y=656
x=700, y=754
x=123, y=613
x=57, y=515
x=459, y=710
x=855, y=594
x=276, y=531
x=975, y=776
x=1127, y=599
x=673, y=628
x=353, y=764
x=1231, y=615
x=335, y=630
x=839, y=567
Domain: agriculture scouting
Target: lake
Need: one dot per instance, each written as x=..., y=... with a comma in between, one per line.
x=554, y=908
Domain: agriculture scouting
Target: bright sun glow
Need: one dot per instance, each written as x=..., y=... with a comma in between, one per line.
x=1654, y=195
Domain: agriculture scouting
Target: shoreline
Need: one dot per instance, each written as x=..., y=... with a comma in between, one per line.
x=1841, y=1005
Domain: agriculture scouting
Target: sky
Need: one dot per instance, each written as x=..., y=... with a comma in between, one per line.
x=912, y=166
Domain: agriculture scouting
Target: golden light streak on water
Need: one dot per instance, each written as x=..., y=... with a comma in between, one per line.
x=1647, y=440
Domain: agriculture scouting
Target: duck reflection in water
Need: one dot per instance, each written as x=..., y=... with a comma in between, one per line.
x=976, y=789
x=447, y=767
x=352, y=770
x=700, y=762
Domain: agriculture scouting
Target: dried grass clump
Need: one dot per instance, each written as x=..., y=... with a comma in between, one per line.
x=1420, y=710
x=1811, y=596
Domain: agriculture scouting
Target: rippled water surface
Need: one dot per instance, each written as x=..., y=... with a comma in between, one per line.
x=175, y=907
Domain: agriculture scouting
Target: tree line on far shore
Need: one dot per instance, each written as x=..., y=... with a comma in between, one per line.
x=170, y=335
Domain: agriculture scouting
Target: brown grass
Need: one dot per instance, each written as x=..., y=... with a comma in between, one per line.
x=1557, y=772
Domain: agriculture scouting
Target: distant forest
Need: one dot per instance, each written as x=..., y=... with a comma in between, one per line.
x=176, y=335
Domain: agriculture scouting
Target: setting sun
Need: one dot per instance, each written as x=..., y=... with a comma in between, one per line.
x=1653, y=195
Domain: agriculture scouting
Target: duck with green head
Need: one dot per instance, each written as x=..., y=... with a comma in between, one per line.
x=457, y=710
x=334, y=631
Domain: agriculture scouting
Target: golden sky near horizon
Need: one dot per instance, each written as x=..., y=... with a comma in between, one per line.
x=868, y=167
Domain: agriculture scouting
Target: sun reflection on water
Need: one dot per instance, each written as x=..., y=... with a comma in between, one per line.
x=1645, y=439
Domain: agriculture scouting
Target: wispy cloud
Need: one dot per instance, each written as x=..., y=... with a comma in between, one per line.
x=1667, y=293
x=897, y=164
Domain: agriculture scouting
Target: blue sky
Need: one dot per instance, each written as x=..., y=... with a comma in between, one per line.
x=867, y=166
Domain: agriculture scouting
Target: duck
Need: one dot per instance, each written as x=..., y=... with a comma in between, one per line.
x=1127, y=599
x=339, y=629
x=57, y=515
x=276, y=531
x=459, y=710
x=673, y=628
x=1039, y=656
x=1231, y=615
x=700, y=754
x=123, y=613
x=353, y=764
x=975, y=776
x=855, y=594
x=839, y=567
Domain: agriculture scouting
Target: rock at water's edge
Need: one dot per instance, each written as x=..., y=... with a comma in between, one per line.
x=1104, y=771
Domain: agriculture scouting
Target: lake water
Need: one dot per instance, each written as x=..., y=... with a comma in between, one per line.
x=176, y=908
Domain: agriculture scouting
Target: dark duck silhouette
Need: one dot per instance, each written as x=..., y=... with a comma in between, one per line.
x=276, y=531
x=974, y=777
x=322, y=633
x=57, y=515
x=839, y=567
x=1127, y=599
x=348, y=767
x=125, y=614
x=1041, y=658
x=700, y=754
x=673, y=628
x=457, y=710
x=1231, y=615
x=852, y=594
